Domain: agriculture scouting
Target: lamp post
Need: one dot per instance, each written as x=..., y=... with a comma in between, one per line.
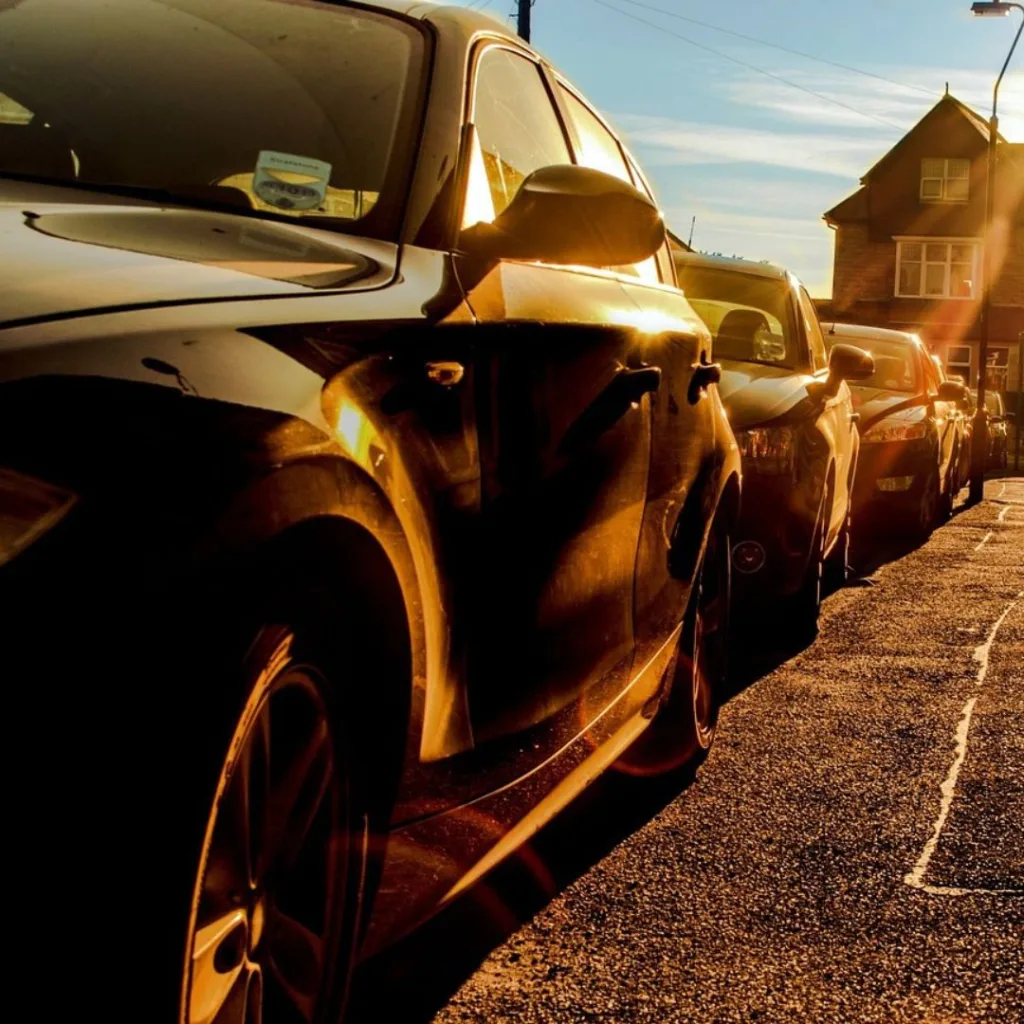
x=979, y=456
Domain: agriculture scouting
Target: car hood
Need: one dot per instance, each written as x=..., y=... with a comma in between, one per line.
x=65, y=252
x=754, y=393
x=876, y=404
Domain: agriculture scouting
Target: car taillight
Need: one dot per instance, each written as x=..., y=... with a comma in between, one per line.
x=28, y=508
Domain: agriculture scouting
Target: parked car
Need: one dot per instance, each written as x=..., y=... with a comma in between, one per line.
x=789, y=404
x=998, y=428
x=366, y=490
x=966, y=407
x=962, y=431
x=910, y=446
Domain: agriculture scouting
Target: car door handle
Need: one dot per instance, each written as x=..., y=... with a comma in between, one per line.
x=637, y=383
x=703, y=375
x=622, y=393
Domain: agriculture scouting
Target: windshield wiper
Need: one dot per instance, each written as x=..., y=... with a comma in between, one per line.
x=219, y=198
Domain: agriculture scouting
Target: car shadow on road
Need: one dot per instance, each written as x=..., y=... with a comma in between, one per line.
x=415, y=979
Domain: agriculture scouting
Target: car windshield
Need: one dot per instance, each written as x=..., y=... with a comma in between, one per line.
x=749, y=316
x=896, y=369
x=280, y=107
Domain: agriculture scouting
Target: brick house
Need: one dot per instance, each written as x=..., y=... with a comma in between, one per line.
x=908, y=244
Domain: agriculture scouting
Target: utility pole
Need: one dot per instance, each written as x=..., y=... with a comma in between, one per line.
x=524, y=18
x=1018, y=419
x=979, y=456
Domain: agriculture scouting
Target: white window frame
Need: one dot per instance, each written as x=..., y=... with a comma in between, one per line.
x=944, y=187
x=976, y=265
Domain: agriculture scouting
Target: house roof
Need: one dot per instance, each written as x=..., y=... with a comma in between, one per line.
x=855, y=207
x=852, y=208
x=948, y=102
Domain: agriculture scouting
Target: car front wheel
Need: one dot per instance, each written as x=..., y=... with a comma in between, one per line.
x=277, y=876
x=686, y=719
x=927, y=508
x=806, y=602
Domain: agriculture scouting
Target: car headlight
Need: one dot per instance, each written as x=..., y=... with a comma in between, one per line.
x=28, y=508
x=884, y=431
x=768, y=449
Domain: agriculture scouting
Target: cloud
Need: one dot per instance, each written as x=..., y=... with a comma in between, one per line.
x=668, y=142
x=902, y=101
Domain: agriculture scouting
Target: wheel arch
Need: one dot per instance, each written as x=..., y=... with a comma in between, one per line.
x=327, y=517
x=714, y=485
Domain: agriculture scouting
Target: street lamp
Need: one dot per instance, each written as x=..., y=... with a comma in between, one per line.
x=979, y=456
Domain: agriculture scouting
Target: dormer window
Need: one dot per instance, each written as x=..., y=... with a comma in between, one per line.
x=944, y=180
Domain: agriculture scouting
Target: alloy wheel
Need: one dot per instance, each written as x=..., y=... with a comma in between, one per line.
x=259, y=943
x=710, y=642
x=928, y=507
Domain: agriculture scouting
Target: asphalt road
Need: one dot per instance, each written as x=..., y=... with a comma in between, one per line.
x=852, y=851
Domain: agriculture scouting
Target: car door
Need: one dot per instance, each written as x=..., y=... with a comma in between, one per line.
x=672, y=338
x=548, y=584
x=837, y=420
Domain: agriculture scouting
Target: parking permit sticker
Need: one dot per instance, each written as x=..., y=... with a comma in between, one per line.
x=290, y=182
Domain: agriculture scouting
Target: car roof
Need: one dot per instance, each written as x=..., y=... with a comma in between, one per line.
x=733, y=263
x=865, y=332
x=429, y=10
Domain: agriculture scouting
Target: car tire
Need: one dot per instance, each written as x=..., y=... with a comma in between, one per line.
x=837, y=565
x=685, y=721
x=927, y=509
x=806, y=602
x=276, y=880
x=948, y=497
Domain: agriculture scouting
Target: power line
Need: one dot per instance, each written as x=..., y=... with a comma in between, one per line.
x=778, y=46
x=751, y=67
x=788, y=49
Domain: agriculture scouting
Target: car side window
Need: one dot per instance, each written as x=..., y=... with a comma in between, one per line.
x=663, y=256
x=599, y=149
x=815, y=339
x=517, y=132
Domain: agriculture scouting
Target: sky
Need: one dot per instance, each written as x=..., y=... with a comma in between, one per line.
x=754, y=159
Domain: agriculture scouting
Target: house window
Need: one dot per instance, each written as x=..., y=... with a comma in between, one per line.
x=958, y=361
x=945, y=181
x=931, y=269
x=998, y=368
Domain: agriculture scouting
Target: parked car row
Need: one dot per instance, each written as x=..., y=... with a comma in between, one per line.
x=367, y=483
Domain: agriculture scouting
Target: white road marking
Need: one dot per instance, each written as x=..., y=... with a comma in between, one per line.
x=1002, y=515
x=915, y=878
x=983, y=541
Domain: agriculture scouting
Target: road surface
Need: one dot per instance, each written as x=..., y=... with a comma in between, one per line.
x=852, y=851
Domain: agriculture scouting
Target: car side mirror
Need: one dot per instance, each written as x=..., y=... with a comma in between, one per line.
x=950, y=391
x=847, y=362
x=571, y=215
x=1010, y=417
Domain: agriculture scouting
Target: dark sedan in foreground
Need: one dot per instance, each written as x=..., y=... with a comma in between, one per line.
x=365, y=488
x=789, y=404
x=910, y=447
